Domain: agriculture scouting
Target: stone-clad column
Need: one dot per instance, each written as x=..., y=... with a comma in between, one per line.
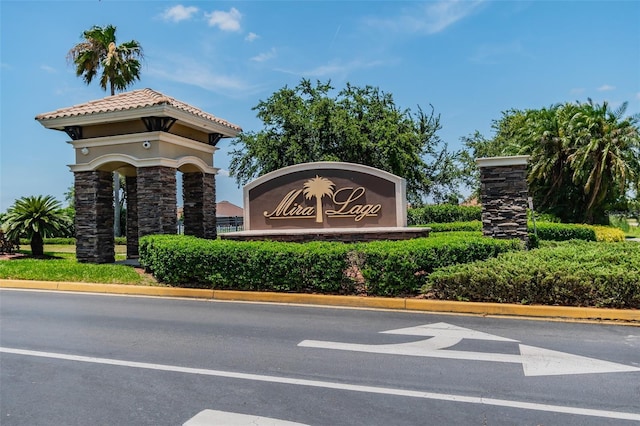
x=94, y=217
x=157, y=211
x=132, y=217
x=199, y=194
x=209, y=222
x=504, y=192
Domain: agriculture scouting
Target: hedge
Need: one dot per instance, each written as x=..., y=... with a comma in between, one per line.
x=471, y=226
x=550, y=231
x=382, y=268
x=608, y=234
x=401, y=268
x=547, y=231
x=570, y=273
x=443, y=213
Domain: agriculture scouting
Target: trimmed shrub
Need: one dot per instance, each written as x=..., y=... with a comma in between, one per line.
x=563, y=231
x=571, y=273
x=258, y=266
x=393, y=268
x=443, y=213
x=608, y=234
x=381, y=268
x=547, y=231
x=472, y=226
x=568, y=231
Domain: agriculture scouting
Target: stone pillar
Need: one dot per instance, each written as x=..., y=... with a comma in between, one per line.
x=132, y=217
x=157, y=211
x=504, y=193
x=94, y=217
x=199, y=194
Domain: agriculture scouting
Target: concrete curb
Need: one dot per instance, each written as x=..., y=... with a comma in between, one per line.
x=537, y=311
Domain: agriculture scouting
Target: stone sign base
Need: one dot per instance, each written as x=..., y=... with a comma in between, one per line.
x=345, y=235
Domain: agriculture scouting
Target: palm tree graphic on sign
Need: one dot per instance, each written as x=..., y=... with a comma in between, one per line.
x=318, y=187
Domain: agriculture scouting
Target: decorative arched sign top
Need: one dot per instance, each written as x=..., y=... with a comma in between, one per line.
x=325, y=195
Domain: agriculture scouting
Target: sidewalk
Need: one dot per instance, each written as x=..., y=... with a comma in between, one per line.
x=626, y=316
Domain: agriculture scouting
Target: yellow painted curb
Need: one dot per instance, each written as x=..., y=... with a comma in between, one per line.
x=317, y=299
x=540, y=311
x=108, y=288
x=478, y=308
x=35, y=285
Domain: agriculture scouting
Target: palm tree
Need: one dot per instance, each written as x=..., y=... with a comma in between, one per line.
x=120, y=67
x=318, y=187
x=603, y=160
x=36, y=218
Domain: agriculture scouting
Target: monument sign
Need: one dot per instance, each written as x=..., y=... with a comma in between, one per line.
x=325, y=195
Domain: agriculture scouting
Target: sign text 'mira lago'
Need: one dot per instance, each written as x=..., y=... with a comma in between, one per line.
x=344, y=199
x=325, y=195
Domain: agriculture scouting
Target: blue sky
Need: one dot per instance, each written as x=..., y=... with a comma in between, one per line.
x=471, y=60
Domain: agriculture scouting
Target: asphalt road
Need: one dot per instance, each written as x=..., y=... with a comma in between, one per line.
x=80, y=359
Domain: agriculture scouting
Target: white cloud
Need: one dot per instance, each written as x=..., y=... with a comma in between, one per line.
x=638, y=95
x=430, y=18
x=48, y=69
x=226, y=21
x=265, y=56
x=187, y=71
x=251, y=37
x=179, y=13
x=442, y=14
x=577, y=91
x=606, y=88
x=223, y=172
x=335, y=69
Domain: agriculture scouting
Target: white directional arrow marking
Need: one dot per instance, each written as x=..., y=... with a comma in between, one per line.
x=545, y=362
x=444, y=329
x=215, y=417
x=535, y=361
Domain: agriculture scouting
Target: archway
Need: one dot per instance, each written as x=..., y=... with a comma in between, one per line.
x=147, y=137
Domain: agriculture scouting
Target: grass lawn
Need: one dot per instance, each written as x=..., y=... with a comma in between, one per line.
x=59, y=264
x=634, y=229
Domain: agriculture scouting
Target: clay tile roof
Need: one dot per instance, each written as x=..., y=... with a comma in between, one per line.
x=135, y=99
x=225, y=208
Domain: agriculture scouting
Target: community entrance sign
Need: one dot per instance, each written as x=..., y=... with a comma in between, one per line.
x=325, y=195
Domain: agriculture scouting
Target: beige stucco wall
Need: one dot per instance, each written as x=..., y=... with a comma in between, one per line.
x=140, y=150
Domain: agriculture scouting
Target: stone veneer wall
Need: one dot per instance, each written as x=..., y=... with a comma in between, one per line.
x=199, y=193
x=132, y=217
x=504, y=192
x=94, y=217
x=156, y=190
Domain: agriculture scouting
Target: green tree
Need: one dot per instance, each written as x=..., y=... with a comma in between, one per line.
x=605, y=160
x=36, y=218
x=360, y=125
x=119, y=66
x=585, y=158
x=98, y=52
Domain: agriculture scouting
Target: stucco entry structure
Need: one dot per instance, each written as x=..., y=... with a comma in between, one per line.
x=147, y=137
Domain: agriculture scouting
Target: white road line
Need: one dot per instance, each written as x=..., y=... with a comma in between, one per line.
x=333, y=385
